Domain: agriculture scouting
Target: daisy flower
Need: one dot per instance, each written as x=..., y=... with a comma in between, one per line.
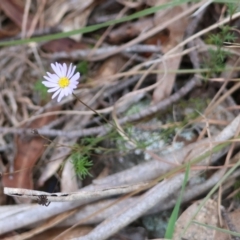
x=62, y=81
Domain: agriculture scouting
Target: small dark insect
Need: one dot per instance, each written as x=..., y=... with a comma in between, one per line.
x=43, y=200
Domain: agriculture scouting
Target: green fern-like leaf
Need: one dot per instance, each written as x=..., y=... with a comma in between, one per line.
x=81, y=164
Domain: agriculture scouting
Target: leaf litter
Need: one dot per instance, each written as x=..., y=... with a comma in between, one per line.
x=149, y=111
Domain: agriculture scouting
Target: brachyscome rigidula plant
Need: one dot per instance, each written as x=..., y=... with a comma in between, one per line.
x=63, y=81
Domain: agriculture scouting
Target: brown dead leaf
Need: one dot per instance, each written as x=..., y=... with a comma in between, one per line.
x=235, y=221
x=111, y=66
x=235, y=218
x=64, y=44
x=76, y=21
x=9, y=30
x=176, y=33
x=29, y=149
x=15, y=11
x=207, y=215
x=68, y=15
x=130, y=30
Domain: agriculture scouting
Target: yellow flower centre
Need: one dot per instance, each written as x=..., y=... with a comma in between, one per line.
x=63, y=82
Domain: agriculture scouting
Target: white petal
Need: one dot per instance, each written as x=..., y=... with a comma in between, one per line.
x=49, y=84
x=72, y=72
x=60, y=96
x=65, y=69
x=70, y=90
x=75, y=77
x=48, y=78
x=56, y=69
x=53, y=89
x=60, y=69
x=56, y=93
x=69, y=70
x=54, y=77
x=66, y=91
x=51, y=77
x=73, y=85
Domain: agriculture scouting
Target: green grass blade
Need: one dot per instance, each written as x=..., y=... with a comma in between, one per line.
x=92, y=28
x=175, y=213
x=218, y=229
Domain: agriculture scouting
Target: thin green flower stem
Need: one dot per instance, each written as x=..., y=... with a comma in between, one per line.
x=99, y=114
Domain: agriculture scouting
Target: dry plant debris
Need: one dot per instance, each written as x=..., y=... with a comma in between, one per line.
x=155, y=89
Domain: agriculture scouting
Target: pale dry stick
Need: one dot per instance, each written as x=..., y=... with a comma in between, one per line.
x=149, y=33
x=233, y=145
x=36, y=214
x=104, y=129
x=191, y=192
x=134, y=71
x=219, y=205
x=37, y=57
x=224, y=96
x=43, y=227
x=157, y=194
x=193, y=54
x=229, y=155
x=138, y=91
x=213, y=104
x=130, y=4
x=125, y=216
x=107, y=31
x=76, y=112
x=153, y=169
x=125, y=97
x=132, y=143
x=36, y=18
x=25, y=17
x=25, y=59
x=6, y=111
x=139, y=83
x=32, y=215
x=202, y=32
x=100, y=210
x=83, y=214
x=202, y=8
x=83, y=53
x=74, y=196
x=106, y=110
x=234, y=193
x=28, y=102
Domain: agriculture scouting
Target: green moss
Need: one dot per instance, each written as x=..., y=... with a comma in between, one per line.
x=40, y=89
x=83, y=67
